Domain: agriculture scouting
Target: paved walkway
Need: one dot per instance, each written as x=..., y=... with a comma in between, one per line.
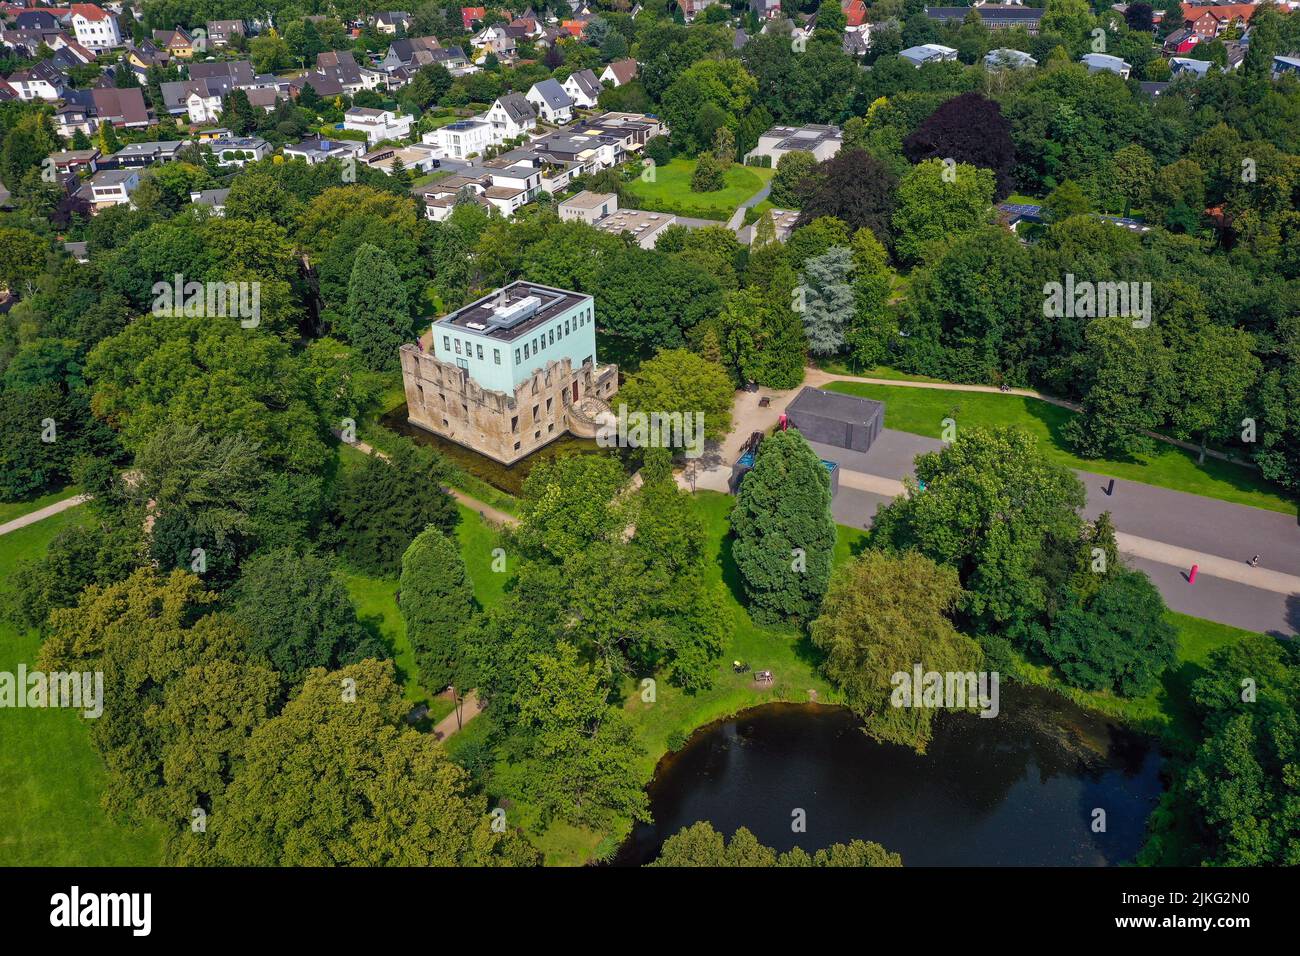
x=494, y=515
x=41, y=513
x=469, y=709
x=1161, y=531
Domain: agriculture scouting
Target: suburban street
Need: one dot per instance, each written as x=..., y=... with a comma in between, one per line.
x=1161, y=531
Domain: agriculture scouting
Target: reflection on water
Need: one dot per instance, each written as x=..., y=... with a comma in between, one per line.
x=509, y=478
x=1018, y=789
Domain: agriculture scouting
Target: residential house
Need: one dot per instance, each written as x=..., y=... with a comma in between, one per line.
x=995, y=16
x=1186, y=66
x=239, y=150
x=513, y=187
x=112, y=187
x=553, y=105
x=75, y=116
x=693, y=8
x=619, y=72
x=123, y=108
x=440, y=198
x=95, y=28
x=402, y=52
x=601, y=211
x=316, y=149
x=1006, y=58
x=1180, y=41
x=1105, y=63
x=40, y=81
x=221, y=32
x=919, y=56
x=75, y=160
x=139, y=59
x=1207, y=22
x=41, y=20
x=137, y=155
x=855, y=16
x=378, y=125
x=392, y=22
x=765, y=9
x=214, y=199
x=418, y=158
x=178, y=43
x=511, y=116
x=470, y=16
x=1282, y=65
x=822, y=142
x=583, y=88
x=461, y=139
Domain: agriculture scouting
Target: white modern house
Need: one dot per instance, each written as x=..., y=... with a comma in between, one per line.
x=239, y=150
x=1006, y=58
x=822, y=142
x=511, y=116
x=95, y=28
x=113, y=187
x=378, y=125
x=919, y=56
x=316, y=151
x=551, y=102
x=462, y=139
x=1105, y=63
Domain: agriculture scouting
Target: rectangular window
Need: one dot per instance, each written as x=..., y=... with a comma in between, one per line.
x=566, y=326
x=526, y=352
x=478, y=349
x=458, y=346
x=552, y=336
x=496, y=356
x=446, y=343
x=517, y=360
x=535, y=350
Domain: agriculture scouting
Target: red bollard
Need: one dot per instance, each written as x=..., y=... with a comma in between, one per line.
x=1191, y=578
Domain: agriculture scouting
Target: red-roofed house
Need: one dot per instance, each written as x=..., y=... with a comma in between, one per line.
x=96, y=28
x=1209, y=22
x=574, y=28
x=472, y=15
x=855, y=13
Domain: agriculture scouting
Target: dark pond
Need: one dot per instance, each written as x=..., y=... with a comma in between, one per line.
x=1016, y=790
x=507, y=478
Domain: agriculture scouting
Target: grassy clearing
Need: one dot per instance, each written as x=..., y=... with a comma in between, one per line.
x=839, y=365
x=50, y=776
x=671, y=190
x=376, y=602
x=922, y=411
x=9, y=510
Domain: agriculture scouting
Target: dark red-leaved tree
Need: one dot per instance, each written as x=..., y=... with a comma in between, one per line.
x=1139, y=17
x=967, y=129
x=853, y=186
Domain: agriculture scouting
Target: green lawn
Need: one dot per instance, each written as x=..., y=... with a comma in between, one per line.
x=376, y=602
x=9, y=510
x=922, y=411
x=671, y=190
x=50, y=777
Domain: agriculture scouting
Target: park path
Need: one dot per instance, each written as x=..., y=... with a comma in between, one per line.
x=469, y=709
x=818, y=378
x=41, y=513
x=485, y=510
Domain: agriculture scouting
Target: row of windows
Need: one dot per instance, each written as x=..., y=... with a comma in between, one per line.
x=472, y=349
x=475, y=350
x=548, y=338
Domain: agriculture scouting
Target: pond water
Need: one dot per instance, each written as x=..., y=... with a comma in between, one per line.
x=1016, y=790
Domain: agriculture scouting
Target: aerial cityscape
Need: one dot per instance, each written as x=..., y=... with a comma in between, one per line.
x=678, y=433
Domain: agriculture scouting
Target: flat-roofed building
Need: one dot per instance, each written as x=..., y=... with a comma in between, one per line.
x=822, y=142
x=510, y=372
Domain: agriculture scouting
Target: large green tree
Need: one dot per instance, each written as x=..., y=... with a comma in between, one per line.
x=438, y=607
x=783, y=529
